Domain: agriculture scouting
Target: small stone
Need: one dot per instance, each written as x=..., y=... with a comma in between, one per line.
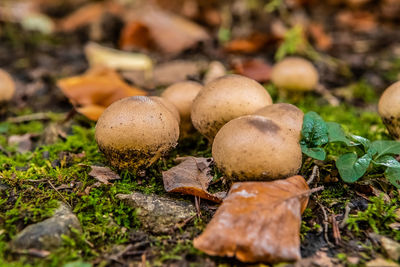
x=158, y=214
x=391, y=247
x=46, y=235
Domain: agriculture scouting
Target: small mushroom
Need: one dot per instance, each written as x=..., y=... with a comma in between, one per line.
x=181, y=95
x=295, y=74
x=286, y=115
x=224, y=99
x=389, y=109
x=253, y=148
x=168, y=105
x=136, y=131
x=7, y=86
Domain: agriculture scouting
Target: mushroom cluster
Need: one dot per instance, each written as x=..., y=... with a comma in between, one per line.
x=252, y=139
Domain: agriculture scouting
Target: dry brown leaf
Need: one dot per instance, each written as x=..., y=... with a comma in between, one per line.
x=92, y=92
x=192, y=177
x=258, y=222
x=135, y=35
x=362, y=21
x=171, y=33
x=103, y=174
x=322, y=40
x=251, y=44
x=256, y=69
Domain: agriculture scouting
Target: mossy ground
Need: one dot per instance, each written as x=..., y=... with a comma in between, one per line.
x=107, y=223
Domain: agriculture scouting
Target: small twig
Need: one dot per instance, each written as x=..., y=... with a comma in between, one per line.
x=306, y=193
x=335, y=229
x=30, y=117
x=326, y=225
x=182, y=224
x=347, y=210
x=36, y=181
x=315, y=173
x=327, y=95
x=197, y=205
x=65, y=201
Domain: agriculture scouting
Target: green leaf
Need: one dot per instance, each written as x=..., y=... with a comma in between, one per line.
x=314, y=152
x=386, y=147
x=388, y=161
x=337, y=134
x=351, y=168
x=363, y=141
x=315, y=131
x=393, y=176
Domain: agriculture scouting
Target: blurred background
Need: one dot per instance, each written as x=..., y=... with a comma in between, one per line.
x=355, y=44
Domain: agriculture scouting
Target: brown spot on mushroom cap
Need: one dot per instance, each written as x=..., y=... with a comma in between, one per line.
x=295, y=74
x=224, y=99
x=286, y=115
x=389, y=109
x=135, y=131
x=244, y=152
x=7, y=86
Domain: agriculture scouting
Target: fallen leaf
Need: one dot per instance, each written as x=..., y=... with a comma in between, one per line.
x=191, y=177
x=94, y=91
x=256, y=69
x=258, y=221
x=101, y=56
x=252, y=44
x=103, y=174
x=135, y=35
x=361, y=21
x=322, y=40
x=170, y=32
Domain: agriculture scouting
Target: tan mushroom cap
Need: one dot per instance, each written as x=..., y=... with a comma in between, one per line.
x=253, y=148
x=168, y=105
x=286, y=115
x=389, y=109
x=7, y=86
x=224, y=99
x=135, y=131
x=295, y=74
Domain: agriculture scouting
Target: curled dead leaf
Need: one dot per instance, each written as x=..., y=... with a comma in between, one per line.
x=103, y=174
x=252, y=44
x=94, y=91
x=258, y=221
x=256, y=69
x=191, y=177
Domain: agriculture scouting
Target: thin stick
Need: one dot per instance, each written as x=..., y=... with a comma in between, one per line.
x=335, y=229
x=347, y=210
x=51, y=184
x=326, y=225
x=30, y=117
x=197, y=205
x=315, y=173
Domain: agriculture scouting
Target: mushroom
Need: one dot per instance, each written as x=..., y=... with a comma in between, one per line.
x=181, y=95
x=253, y=148
x=294, y=74
x=224, y=99
x=136, y=131
x=168, y=105
x=389, y=109
x=7, y=86
x=286, y=115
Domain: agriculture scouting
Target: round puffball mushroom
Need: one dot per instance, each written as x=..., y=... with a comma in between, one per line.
x=224, y=99
x=389, y=109
x=295, y=74
x=254, y=148
x=136, y=131
x=181, y=95
x=168, y=105
x=7, y=86
x=286, y=115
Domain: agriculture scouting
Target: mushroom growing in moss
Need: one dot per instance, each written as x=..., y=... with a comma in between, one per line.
x=136, y=131
x=286, y=115
x=181, y=95
x=389, y=109
x=254, y=148
x=224, y=99
x=7, y=86
x=295, y=74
